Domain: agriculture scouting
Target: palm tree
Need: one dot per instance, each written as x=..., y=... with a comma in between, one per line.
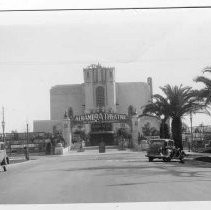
x=159, y=107
x=178, y=102
x=205, y=93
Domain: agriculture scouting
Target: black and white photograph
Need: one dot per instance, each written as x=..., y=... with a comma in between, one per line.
x=105, y=104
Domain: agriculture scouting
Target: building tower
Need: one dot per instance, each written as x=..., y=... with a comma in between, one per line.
x=99, y=88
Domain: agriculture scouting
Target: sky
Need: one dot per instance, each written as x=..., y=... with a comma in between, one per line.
x=41, y=49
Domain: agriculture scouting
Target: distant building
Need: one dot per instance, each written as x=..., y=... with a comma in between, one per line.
x=99, y=91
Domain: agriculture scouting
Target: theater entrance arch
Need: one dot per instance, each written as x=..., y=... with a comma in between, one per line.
x=101, y=126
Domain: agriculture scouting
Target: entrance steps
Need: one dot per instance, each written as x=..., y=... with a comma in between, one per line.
x=97, y=147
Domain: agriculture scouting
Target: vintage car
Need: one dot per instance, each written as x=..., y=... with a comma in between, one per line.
x=4, y=159
x=164, y=149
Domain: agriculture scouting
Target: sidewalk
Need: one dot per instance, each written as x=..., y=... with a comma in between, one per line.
x=17, y=159
x=96, y=152
x=198, y=156
x=20, y=158
x=193, y=154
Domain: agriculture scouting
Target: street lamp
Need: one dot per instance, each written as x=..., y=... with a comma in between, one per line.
x=202, y=132
x=27, y=141
x=191, y=130
x=162, y=124
x=3, y=125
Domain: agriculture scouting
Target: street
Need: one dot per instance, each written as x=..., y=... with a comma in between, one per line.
x=90, y=177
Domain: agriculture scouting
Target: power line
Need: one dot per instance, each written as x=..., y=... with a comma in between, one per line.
x=106, y=9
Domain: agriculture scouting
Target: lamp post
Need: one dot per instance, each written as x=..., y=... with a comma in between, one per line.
x=3, y=125
x=191, y=130
x=27, y=140
x=27, y=134
x=202, y=131
x=162, y=125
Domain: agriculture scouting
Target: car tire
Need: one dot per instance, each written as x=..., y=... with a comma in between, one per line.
x=182, y=160
x=150, y=159
x=168, y=159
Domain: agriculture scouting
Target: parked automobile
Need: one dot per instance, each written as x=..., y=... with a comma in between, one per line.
x=164, y=149
x=4, y=159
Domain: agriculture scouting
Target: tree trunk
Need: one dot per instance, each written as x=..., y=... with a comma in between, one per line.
x=164, y=130
x=177, y=131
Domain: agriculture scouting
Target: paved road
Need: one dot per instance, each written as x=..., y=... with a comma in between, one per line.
x=111, y=177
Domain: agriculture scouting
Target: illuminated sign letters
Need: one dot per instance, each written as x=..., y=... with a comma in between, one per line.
x=100, y=117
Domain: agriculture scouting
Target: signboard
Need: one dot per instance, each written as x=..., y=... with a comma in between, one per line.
x=95, y=127
x=100, y=117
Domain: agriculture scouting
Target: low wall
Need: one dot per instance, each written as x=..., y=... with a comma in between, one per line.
x=61, y=150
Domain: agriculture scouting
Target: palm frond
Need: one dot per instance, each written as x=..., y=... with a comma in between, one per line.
x=206, y=69
x=206, y=81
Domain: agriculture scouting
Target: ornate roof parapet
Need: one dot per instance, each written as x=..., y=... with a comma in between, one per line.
x=95, y=73
x=97, y=66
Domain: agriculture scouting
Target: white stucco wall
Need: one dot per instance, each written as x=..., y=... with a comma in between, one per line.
x=132, y=93
x=154, y=122
x=64, y=96
x=111, y=94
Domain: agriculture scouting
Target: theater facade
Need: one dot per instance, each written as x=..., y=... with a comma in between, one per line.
x=99, y=104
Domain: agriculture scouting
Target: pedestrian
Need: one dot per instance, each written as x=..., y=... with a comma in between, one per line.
x=83, y=143
x=48, y=148
x=26, y=153
x=3, y=164
x=102, y=147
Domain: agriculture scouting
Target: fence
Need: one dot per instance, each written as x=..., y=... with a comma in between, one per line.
x=199, y=142
x=36, y=142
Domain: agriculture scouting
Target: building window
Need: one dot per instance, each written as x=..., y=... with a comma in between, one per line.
x=96, y=75
x=111, y=74
x=102, y=76
x=100, y=96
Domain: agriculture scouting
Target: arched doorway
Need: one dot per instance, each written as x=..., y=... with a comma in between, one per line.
x=101, y=132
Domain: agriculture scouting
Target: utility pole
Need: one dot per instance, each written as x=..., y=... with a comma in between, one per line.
x=3, y=125
x=191, y=129
x=27, y=140
x=27, y=134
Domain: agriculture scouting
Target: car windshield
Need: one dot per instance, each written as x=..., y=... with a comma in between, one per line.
x=161, y=142
x=157, y=142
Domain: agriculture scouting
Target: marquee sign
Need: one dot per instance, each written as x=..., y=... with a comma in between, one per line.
x=100, y=117
x=96, y=127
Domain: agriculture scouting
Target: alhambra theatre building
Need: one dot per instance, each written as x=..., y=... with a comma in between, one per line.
x=100, y=104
